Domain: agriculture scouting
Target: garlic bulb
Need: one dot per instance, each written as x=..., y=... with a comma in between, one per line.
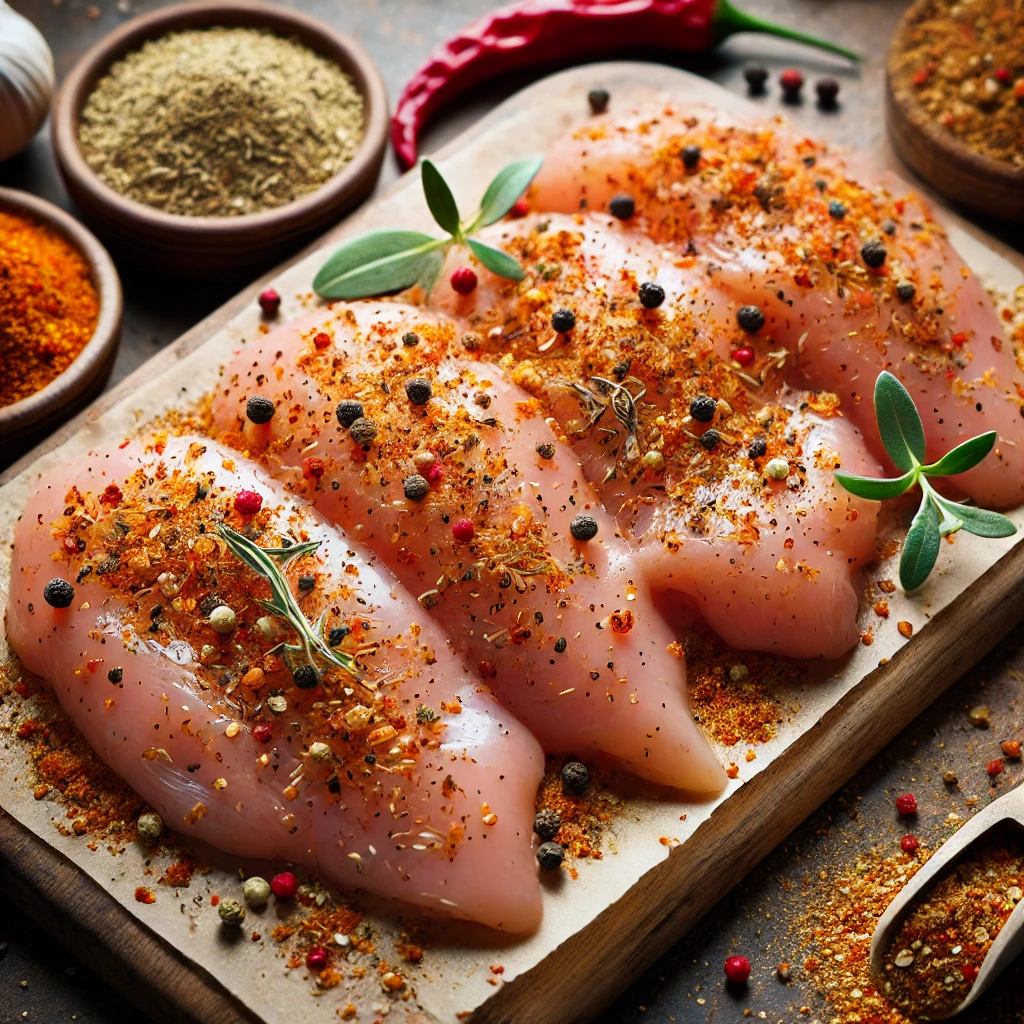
x=26, y=81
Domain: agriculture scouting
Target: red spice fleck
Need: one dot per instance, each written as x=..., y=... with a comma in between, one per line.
x=1002, y=76
x=995, y=766
x=909, y=843
x=906, y=804
x=313, y=468
x=270, y=301
x=70, y=545
x=144, y=895
x=744, y=356
x=463, y=530
x=322, y=340
x=970, y=973
x=111, y=495
x=262, y=732
x=463, y=280
x=27, y=729
x=1011, y=748
x=921, y=77
x=214, y=900
x=959, y=339
x=487, y=670
x=248, y=503
x=435, y=472
x=737, y=969
x=520, y=208
x=284, y=885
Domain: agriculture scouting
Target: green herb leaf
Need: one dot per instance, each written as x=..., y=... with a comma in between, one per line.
x=876, y=489
x=898, y=422
x=375, y=263
x=506, y=188
x=496, y=261
x=921, y=548
x=433, y=264
x=963, y=457
x=979, y=521
x=439, y=198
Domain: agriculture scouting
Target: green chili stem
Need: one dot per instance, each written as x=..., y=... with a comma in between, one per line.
x=729, y=20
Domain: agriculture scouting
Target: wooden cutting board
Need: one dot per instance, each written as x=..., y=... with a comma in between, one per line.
x=601, y=934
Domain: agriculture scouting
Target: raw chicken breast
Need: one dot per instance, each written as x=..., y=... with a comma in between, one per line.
x=779, y=221
x=454, y=477
x=769, y=562
x=402, y=777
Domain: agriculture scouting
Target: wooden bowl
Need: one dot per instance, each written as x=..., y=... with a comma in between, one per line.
x=952, y=168
x=32, y=417
x=217, y=247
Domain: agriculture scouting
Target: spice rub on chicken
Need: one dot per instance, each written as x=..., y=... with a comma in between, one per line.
x=456, y=479
x=849, y=270
x=256, y=677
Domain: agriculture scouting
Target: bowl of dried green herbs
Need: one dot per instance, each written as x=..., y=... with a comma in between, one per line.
x=211, y=139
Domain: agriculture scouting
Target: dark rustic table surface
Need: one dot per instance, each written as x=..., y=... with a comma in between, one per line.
x=39, y=982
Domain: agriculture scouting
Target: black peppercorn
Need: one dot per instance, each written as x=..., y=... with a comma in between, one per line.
x=336, y=635
x=622, y=206
x=115, y=675
x=889, y=227
x=416, y=487
x=547, y=823
x=702, y=408
x=348, y=411
x=550, y=856
x=709, y=439
x=598, y=98
x=691, y=156
x=306, y=677
x=307, y=583
x=873, y=253
x=758, y=447
x=575, y=777
x=755, y=76
x=750, y=319
x=370, y=759
x=563, y=320
x=583, y=527
x=836, y=210
x=546, y=450
x=363, y=431
x=560, y=645
x=651, y=295
x=58, y=593
x=905, y=291
x=828, y=92
x=410, y=339
x=260, y=409
x=418, y=390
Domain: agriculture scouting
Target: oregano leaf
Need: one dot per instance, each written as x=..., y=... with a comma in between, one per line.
x=439, y=198
x=505, y=189
x=963, y=457
x=979, y=521
x=875, y=488
x=375, y=263
x=921, y=548
x=496, y=261
x=899, y=424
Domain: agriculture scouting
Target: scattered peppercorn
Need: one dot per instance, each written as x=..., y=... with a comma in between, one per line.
x=284, y=885
x=750, y=319
x=520, y=208
x=560, y=645
x=756, y=77
x=547, y=823
x=758, y=447
x=703, y=408
x=651, y=295
x=262, y=732
x=307, y=583
x=270, y=301
x=995, y=767
x=873, y=253
x=905, y=291
x=828, y=93
x=906, y=804
x=248, y=503
x=231, y=912
x=416, y=487
x=150, y=827
x=909, y=843
x=410, y=339
x=709, y=439
x=546, y=450
x=348, y=411
x=691, y=156
x=1011, y=749
x=463, y=530
x=419, y=390
x=363, y=431
x=622, y=206
x=777, y=469
x=306, y=677
x=598, y=98
x=792, y=82
x=737, y=970
x=563, y=320
x=316, y=959
x=743, y=355
x=583, y=527
x=654, y=460
x=223, y=619
x=550, y=856
x=58, y=593
x=256, y=891
x=115, y=675
x=575, y=777
x=463, y=280
x=836, y=210
x=260, y=409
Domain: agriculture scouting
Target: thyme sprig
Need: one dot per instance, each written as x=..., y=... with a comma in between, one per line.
x=268, y=563
x=392, y=259
x=902, y=433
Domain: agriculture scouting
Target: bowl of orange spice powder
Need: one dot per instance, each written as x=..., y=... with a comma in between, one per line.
x=60, y=316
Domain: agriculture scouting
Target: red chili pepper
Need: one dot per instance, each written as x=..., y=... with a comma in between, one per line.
x=534, y=32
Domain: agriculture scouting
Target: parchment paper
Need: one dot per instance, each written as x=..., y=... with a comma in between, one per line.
x=455, y=975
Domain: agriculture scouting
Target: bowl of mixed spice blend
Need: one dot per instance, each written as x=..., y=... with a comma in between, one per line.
x=955, y=100
x=60, y=318
x=211, y=138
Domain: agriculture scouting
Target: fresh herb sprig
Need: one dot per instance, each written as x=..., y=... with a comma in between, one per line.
x=902, y=433
x=268, y=563
x=390, y=260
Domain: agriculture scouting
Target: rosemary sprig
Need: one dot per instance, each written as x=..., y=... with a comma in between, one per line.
x=390, y=260
x=902, y=433
x=268, y=563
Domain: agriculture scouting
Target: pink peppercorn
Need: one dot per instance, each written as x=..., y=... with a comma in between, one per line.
x=744, y=356
x=909, y=843
x=792, y=82
x=316, y=958
x=270, y=301
x=262, y=733
x=463, y=280
x=520, y=208
x=906, y=804
x=995, y=767
x=284, y=885
x=248, y=503
x=737, y=969
x=1002, y=75
x=463, y=530
x=434, y=472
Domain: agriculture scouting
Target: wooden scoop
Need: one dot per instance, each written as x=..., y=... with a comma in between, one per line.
x=1006, y=812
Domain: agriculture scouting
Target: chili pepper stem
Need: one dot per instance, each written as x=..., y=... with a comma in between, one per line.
x=729, y=20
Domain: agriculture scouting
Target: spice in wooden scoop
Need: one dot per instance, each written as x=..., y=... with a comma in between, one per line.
x=221, y=122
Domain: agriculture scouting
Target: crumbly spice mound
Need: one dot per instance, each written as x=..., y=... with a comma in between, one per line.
x=959, y=64
x=220, y=122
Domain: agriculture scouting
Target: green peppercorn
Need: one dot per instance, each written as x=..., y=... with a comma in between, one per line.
x=575, y=777
x=750, y=319
x=363, y=431
x=115, y=675
x=622, y=206
x=231, y=912
x=348, y=411
x=651, y=295
x=223, y=619
x=256, y=891
x=905, y=291
x=583, y=527
x=563, y=320
x=416, y=487
x=598, y=98
x=550, y=856
x=547, y=823
x=546, y=450
x=260, y=409
x=654, y=460
x=873, y=253
x=709, y=439
x=150, y=827
x=58, y=593
x=702, y=409
x=691, y=156
x=777, y=469
x=306, y=677
x=419, y=390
